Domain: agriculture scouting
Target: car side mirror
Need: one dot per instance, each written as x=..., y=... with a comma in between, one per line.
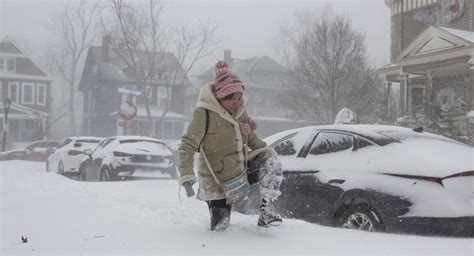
x=88, y=151
x=50, y=150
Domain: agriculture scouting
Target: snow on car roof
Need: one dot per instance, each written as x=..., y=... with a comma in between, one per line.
x=373, y=131
x=85, y=138
x=136, y=137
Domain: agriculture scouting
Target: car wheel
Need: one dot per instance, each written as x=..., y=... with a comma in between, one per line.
x=47, y=166
x=82, y=174
x=361, y=217
x=61, y=168
x=104, y=174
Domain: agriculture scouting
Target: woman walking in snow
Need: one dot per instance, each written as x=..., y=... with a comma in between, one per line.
x=223, y=133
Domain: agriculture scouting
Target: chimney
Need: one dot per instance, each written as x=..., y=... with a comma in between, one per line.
x=106, y=41
x=228, y=57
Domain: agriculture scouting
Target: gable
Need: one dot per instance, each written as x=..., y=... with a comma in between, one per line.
x=435, y=44
x=434, y=40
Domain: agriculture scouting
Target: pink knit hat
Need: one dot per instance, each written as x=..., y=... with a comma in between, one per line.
x=226, y=81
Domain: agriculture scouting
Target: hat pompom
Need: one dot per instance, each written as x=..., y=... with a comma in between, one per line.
x=221, y=64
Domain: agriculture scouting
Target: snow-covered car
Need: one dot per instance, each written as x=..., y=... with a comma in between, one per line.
x=127, y=156
x=37, y=151
x=69, y=154
x=375, y=178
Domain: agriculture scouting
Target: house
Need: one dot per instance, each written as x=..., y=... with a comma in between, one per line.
x=105, y=72
x=28, y=87
x=267, y=84
x=432, y=46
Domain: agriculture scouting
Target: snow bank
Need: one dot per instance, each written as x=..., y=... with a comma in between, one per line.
x=146, y=217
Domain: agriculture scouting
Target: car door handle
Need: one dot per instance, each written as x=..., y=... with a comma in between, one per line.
x=337, y=181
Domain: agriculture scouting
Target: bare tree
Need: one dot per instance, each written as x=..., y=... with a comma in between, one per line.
x=75, y=26
x=327, y=58
x=144, y=45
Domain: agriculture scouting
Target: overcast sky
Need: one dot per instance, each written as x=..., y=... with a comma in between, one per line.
x=246, y=27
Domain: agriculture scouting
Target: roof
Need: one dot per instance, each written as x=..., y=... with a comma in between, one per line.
x=116, y=69
x=7, y=46
x=247, y=68
x=464, y=34
x=26, y=68
x=23, y=111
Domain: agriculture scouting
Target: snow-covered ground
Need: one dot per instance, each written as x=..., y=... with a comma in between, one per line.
x=60, y=216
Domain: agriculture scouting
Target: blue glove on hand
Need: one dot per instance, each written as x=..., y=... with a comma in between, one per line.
x=189, y=189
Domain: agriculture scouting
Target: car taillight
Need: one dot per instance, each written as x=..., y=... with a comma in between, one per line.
x=121, y=154
x=461, y=174
x=74, y=152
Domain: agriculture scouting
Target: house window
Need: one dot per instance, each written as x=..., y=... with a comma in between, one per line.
x=163, y=97
x=2, y=64
x=416, y=101
x=1, y=91
x=11, y=63
x=13, y=91
x=28, y=92
x=41, y=94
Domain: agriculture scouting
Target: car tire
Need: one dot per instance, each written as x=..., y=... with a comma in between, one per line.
x=82, y=174
x=47, y=166
x=61, y=168
x=104, y=174
x=360, y=217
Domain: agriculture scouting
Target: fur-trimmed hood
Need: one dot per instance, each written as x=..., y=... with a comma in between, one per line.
x=208, y=100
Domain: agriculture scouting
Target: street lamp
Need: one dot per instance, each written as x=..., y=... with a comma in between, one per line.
x=6, y=108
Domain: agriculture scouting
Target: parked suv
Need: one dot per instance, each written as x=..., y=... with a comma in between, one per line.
x=69, y=154
x=126, y=156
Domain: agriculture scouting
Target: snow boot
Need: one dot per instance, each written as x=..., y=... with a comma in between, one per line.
x=268, y=216
x=219, y=212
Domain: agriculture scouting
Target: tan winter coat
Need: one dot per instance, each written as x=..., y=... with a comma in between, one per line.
x=223, y=145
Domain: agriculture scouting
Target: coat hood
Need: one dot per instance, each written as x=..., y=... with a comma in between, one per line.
x=208, y=100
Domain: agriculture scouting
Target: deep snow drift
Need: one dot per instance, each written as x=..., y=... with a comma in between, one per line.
x=60, y=216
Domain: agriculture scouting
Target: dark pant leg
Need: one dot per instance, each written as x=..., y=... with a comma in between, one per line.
x=220, y=214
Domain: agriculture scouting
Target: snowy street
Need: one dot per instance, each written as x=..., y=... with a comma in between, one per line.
x=61, y=216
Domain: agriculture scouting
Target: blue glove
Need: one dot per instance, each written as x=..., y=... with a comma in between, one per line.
x=189, y=188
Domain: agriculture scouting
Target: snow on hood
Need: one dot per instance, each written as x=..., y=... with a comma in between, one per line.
x=143, y=147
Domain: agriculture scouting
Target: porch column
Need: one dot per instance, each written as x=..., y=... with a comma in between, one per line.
x=429, y=77
x=404, y=80
x=388, y=87
x=471, y=83
x=470, y=99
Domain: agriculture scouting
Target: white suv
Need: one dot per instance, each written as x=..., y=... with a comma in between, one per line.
x=69, y=154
